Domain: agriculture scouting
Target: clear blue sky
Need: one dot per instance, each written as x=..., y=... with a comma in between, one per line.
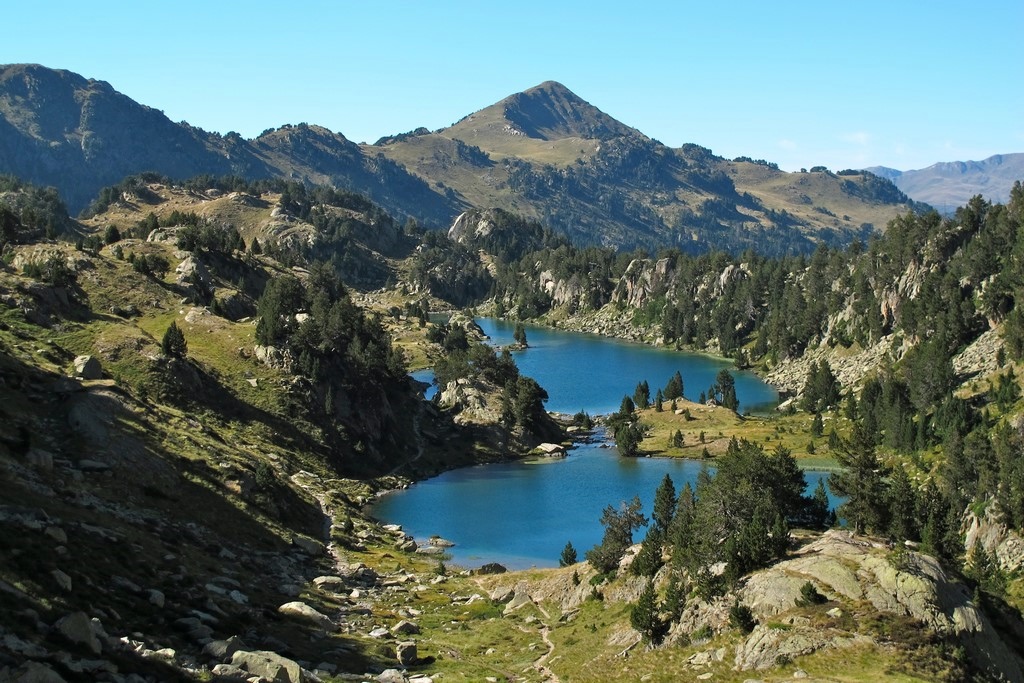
x=901, y=84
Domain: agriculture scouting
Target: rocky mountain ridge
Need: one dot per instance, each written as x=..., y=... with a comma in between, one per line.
x=948, y=184
x=544, y=153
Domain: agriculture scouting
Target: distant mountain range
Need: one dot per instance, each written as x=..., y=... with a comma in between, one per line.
x=544, y=153
x=949, y=184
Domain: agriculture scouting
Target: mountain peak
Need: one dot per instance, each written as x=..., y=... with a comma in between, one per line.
x=549, y=111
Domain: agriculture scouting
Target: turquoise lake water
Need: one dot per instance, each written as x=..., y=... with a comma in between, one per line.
x=522, y=513
x=593, y=373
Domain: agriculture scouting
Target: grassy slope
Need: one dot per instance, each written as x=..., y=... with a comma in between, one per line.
x=720, y=425
x=800, y=193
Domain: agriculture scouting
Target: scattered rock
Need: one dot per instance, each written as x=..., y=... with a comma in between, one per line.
x=405, y=628
x=57, y=534
x=439, y=542
x=87, y=367
x=430, y=550
x=552, y=450
x=303, y=611
x=220, y=650
x=392, y=676
x=502, y=594
x=521, y=598
x=230, y=672
x=405, y=652
x=269, y=665
x=492, y=568
x=329, y=583
x=309, y=546
x=62, y=579
x=32, y=672
x=40, y=459
x=77, y=627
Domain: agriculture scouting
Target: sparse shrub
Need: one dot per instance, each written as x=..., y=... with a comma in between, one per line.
x=809, y=596
x=266, y=477
x=705, y=632
x=53, y=271
x=741, y=617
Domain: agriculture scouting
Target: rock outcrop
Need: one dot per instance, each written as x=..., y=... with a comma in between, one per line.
x=847, y=568
x=998, y=540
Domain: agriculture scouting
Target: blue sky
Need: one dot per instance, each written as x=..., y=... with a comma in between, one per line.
x=901, y=84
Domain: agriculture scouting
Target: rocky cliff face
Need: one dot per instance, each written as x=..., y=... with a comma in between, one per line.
x=999, y=541
x=643, y=280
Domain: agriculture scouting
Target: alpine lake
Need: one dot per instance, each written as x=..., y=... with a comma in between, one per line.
x=521, y=514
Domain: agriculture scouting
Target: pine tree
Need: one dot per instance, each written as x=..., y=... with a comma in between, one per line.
x=664, y=505
x=861, y=482
x=519, y=334
x=674, y=388
x=568, y=557
x=658, y=402
x=173, y=343
x=817, y=425
x=643, y=616
x=642, y=395
x=903, y=523
x=675, y=597
x=648, y=559
x=726, y=386
x=618, y=535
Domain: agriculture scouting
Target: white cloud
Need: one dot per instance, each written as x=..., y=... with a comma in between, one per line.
x=860, y=137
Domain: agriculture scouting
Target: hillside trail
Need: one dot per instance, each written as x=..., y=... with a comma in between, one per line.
x=540, y=664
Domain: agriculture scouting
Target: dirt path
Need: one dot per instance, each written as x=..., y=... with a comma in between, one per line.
x=540, y=664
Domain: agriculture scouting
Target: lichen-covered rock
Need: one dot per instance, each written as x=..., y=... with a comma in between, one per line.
x=765, y=645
